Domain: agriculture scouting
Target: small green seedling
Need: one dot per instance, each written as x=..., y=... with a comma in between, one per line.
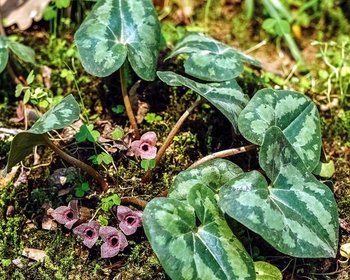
x=87, y=132
x=108, y=202
x=101, y=158
x=82, y=189
x=117, y=133
x=153, y=118
x=148, y=164
x=119, y=109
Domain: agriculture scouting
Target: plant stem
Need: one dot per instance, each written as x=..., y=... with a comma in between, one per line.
x=127, y=103
x=139, y=203
x=225, y=153
x=73, y=161
x=176, y=128
x=8, y=66
x=171, y=135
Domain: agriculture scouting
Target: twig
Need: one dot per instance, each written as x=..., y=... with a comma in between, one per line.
x=139, y=203
x=127, y=103
x=225, y=153
x=171, y=135
x=176, y=128
x=74, y=161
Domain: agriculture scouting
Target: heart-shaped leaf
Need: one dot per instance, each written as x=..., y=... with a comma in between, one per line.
x=225, y=96
x=4, y=56
x=212, y=174
x=266, y=271
x=116, y=29
x=59, y=116
x=276, y=152
x=188, y=251
x=209, y=59
x=25, y=53
x=297, y=214
x=295, y=114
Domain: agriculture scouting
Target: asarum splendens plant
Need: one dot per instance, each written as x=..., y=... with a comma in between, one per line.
x=114, y=239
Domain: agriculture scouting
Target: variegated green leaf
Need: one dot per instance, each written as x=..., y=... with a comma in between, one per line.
x=116, y=29
x=209, y=59
x=266, y=271
x=297, y=215
x=187, y=251
x=21, y=146
x=276, y=152
x=25, y=53
x=59, y=116
x=4, y=54
x=295, y=114
x=227, y=96
x=212, y=174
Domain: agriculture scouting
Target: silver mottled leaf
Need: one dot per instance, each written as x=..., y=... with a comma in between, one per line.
x=187, y=251
x=25, y=53
x=212, y=174
x=116, y=29
x=297, y=214
x=209, y=59
x=225, y=96
x=295, y=114
x=4, y=55
x=59, y=116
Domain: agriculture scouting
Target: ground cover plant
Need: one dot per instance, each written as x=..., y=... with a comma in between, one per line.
x=176, y=140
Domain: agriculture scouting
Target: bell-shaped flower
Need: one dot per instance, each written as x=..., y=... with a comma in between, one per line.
x=89, y=232
x=67, y=215
x=114, y=239
x=146, y=146
x=129, y=220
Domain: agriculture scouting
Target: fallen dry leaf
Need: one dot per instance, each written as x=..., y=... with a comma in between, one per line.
x=34, y=254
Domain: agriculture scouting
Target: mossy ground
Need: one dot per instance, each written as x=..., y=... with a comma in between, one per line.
x=204, y=132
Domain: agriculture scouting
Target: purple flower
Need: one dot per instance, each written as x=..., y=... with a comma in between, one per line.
x=67, y=215
x=115, y=241
x=129, y=220
x=89, y=232
x=146, y=146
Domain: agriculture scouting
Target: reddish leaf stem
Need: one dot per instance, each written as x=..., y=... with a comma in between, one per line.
x=127, y=103
x=73, y=161
x=225, y=153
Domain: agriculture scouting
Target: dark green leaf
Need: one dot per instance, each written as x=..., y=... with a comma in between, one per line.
x=211, y=60
x=116, y=29
x=212, y=174
x=294, y=113
x=4, y=54
x=297, y=215
x=119, y=109
x=59, y=116
x=188, y=251
x=225, y=96
x=21, y=146
x=25, y=53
